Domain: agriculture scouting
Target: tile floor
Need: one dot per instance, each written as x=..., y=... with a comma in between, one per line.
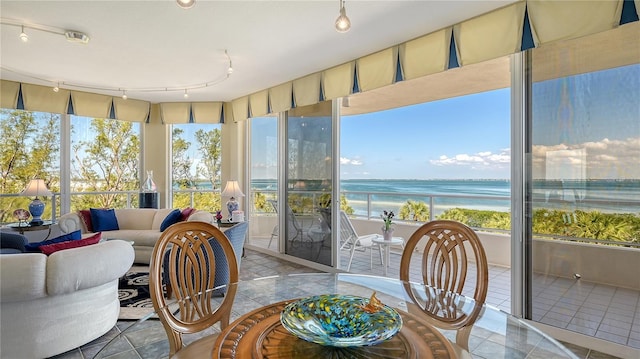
x=601, y=311
x=257, y=264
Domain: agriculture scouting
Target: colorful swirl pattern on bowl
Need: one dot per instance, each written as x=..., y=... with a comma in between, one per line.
x=339, y=321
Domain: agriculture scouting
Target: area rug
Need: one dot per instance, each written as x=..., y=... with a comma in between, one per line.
x=133, y=293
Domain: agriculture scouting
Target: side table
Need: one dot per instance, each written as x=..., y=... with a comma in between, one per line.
x=394, y=241
x=22, y=227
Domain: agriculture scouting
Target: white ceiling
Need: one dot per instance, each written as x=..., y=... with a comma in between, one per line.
x=154, y=44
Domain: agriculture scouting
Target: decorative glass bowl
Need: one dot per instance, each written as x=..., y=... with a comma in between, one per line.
x=340, y=321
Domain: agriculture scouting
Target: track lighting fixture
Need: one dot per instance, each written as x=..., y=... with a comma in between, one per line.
x=186, y=4
x=70, y=35
x=124, y=94
x=56, y=88
x=23, y=36
x=186, y=95
x=343, y=24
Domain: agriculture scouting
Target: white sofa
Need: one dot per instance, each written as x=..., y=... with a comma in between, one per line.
x=50, y=305
x=140, y=225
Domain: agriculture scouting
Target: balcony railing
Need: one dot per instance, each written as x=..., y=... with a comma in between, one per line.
x=366, y=205
x=369, y=205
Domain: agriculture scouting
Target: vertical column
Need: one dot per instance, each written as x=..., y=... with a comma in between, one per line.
x=156, y=156
x=521, y=215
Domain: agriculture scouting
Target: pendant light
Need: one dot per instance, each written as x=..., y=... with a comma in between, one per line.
x=23, y=36
x=343, y=24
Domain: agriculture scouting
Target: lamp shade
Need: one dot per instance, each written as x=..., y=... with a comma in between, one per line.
x=232, y=189
x=35, y=188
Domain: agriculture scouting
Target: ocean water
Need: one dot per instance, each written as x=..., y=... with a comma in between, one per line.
x=380, y=195
x=377, y=195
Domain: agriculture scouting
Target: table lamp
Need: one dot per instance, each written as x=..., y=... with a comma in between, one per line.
x=232, y=189
x=36, y=187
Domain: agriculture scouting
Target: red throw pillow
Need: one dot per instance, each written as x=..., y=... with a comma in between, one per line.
x=186, y=213
x=85, y=216
x=52, y=248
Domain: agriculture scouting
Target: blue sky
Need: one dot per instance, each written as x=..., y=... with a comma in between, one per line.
x=458, y=138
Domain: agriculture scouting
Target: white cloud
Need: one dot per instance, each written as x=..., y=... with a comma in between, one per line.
x=607, y=159
x=484, y=159
x=348, y=161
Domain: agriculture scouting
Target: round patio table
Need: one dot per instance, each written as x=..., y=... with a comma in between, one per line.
x=386, y=245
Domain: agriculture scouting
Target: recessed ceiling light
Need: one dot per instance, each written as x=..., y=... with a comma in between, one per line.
x=186, y=4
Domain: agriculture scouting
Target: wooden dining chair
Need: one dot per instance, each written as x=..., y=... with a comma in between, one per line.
x=191, y=270
x=448, y=250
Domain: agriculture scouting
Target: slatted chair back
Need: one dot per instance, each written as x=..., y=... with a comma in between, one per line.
x=190, y=269
x=448, y=249
x=444, y=266
x=348, y=234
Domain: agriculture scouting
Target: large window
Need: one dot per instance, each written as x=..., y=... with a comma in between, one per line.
x=196, y=159
x=103, y=161
x=263, y=193
x=442, y=159
x=585, y=185
x=105, y=157
x=30, y=148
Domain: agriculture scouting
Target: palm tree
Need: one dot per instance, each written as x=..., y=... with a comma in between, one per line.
x=414, y=211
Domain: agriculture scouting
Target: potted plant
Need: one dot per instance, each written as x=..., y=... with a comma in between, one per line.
x=387, y=229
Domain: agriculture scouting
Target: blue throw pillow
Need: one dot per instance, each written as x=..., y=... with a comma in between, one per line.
x=172, y=218
x=73, y=236
x=103, y=220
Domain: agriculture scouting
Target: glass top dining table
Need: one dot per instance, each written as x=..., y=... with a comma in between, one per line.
x=435, y=324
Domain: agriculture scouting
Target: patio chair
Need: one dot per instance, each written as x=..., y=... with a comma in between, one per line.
x=191, y=273
x=444, y=263
x=350, y=239
x=295, y=230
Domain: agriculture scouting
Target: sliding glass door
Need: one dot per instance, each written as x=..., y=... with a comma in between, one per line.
x=584, y=186
x=305, y=212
